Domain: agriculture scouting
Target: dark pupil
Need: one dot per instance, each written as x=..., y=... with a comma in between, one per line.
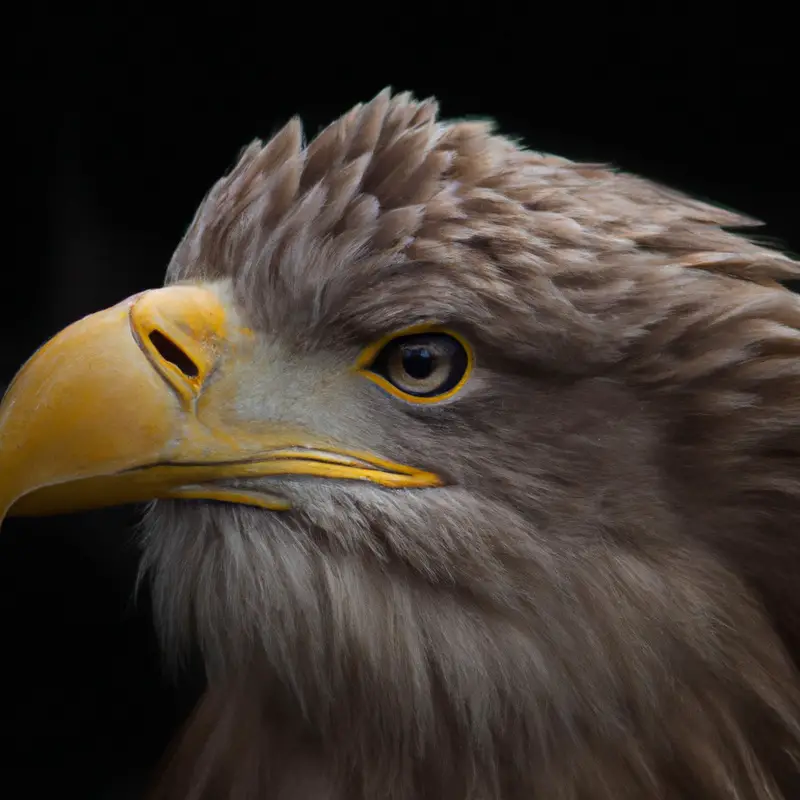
x=418, y=362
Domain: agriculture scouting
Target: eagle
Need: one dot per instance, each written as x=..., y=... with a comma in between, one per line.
x=472, y=471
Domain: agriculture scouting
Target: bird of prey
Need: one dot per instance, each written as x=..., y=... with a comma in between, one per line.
x=473, y=473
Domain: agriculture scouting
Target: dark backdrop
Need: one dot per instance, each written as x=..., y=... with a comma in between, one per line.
x=120, y=121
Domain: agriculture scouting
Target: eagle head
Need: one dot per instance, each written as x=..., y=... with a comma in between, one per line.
x=473, y=472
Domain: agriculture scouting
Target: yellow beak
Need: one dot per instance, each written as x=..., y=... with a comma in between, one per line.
x=134, y=403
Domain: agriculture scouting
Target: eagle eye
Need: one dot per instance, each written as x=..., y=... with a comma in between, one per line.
x=420, y=367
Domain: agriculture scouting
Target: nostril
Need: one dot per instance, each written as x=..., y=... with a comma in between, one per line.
x=170, y=351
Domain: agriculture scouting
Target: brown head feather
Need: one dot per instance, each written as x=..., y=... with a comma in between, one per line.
x=601, y=604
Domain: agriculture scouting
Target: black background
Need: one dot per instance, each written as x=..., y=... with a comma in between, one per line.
x=121, y=120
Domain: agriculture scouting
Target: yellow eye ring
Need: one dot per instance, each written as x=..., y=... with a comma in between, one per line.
x=424, y=364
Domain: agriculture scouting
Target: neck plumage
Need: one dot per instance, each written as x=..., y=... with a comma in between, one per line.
x=632, y=672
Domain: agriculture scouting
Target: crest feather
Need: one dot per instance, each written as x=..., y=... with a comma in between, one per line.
x=369, y=172
x=387, y=175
